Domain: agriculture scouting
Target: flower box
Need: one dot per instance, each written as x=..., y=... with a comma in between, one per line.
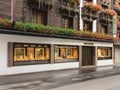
x=88, y=12
x=105, y=18
x=92, y=6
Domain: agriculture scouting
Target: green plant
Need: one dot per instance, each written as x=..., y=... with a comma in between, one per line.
x=5, y=23
x=38, y=28
x=20, y=26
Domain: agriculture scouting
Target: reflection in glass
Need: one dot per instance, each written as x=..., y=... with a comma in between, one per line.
x=66, y=52
x=31, y=52
x=104, y=52
x=19, y=54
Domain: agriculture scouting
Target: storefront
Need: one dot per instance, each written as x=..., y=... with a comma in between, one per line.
x=26, y=54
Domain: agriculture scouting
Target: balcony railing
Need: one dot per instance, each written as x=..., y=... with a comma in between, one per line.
x=69, y=5
x=42, y=3
x=88, y=12
x=105, y=18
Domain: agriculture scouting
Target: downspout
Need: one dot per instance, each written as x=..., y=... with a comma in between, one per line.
x=13, y=11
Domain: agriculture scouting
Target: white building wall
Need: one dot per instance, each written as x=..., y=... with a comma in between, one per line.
x=104, y=62
x=5, y=70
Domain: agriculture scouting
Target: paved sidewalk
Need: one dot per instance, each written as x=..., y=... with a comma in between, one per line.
x=48, y=80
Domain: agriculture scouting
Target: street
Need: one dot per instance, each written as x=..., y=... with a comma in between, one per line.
x=63, y=80
x=109, y=83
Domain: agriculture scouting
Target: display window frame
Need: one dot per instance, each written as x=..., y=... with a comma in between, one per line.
x=104, y=57
x=65, y=59
x=27, y=61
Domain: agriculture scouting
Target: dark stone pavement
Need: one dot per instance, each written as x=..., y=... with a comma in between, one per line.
x=51, y=79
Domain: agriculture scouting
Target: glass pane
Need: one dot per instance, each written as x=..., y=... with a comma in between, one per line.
x=19, y=54
x=30, y=54
x=104, y=52
x=39, y=54
x=75, y=52
x=66, y=52
x=57, y=53
x=62, y=53
x=69, y=53
x=47, y=54
x=34, y=17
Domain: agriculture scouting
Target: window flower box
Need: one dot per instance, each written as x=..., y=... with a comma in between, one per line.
x=106, y=18
x=91, y=10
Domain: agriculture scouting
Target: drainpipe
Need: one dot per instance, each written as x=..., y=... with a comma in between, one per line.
x=81, y=21
x=13, y=11
x=95, y=21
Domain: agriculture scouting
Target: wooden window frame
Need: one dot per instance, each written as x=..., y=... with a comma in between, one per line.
x=37, y=14
x=105, y=58
x=66, y=59
x=66, y=19
x=13, y=45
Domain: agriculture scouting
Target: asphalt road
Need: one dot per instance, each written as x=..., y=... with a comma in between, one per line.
x=108, y=83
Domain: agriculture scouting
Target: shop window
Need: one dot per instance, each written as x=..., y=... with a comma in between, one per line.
x=31, y=54
x=104, y=53
x=39, y=17
x=66, y=53
x=19, y=54
x=66, y=22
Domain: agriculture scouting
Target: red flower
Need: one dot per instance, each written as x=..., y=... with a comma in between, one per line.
x=93, y=6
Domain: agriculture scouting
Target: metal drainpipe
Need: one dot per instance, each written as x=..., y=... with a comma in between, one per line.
x=13, y=11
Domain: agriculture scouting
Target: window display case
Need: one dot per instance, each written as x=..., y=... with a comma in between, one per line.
x=31, y=53
x=66, y=53
x=104, y=53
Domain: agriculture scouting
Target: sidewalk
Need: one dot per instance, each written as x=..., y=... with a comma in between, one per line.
x=48, y=80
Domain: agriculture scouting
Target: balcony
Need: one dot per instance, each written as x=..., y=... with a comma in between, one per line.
x=70, y=5
x=116, y=7
x=41, y=4
x=88, y=13
x=105, y=18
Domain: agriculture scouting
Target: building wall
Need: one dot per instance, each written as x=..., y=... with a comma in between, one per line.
x=117, y=55
x=24, y=12
x=5, y=9
x=5, y=70
x=109, y=4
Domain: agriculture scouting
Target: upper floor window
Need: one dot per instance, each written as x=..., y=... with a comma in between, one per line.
x=66, y=22
x=39, y=17
x=87, y=26
x=104, y=29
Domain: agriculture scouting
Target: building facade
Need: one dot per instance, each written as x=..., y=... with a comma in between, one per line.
x=78, y=38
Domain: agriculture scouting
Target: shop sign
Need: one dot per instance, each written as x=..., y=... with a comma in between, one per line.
x=88, y=43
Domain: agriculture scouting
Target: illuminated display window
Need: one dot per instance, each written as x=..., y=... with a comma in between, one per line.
x=31, y=53
x=66, y=53
x=104, y=53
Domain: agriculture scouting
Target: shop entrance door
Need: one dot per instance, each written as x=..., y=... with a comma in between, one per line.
x=88, y=56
